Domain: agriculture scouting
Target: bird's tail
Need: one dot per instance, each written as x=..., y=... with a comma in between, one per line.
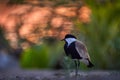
x=87, y=62
x=90, y=65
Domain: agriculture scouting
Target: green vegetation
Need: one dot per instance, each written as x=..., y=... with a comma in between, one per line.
x=102, y=34
x=46, y=55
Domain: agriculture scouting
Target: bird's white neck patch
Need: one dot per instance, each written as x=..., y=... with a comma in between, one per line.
x=70, y=40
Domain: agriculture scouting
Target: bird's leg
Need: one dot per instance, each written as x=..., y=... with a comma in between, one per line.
x=77, y=64
x=76, y=68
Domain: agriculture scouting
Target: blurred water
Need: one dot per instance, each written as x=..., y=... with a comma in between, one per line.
x=7, y=62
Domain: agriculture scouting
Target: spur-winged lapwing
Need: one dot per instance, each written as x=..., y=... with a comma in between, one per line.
x=77, y=50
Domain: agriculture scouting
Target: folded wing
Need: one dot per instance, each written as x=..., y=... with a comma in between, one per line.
x=82, y=50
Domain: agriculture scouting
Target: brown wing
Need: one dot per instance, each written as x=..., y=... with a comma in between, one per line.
x=82, y=50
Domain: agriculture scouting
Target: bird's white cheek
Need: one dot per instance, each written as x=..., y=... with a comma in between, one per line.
x=70, y=40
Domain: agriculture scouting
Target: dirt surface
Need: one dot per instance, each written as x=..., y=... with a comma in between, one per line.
x=58, y=75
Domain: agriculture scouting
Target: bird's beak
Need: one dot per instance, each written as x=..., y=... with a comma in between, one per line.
x=62, y=39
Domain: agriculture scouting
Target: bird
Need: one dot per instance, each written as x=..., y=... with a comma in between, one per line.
x=77, y=50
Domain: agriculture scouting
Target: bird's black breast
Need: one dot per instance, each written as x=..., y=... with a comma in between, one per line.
x=71, y=51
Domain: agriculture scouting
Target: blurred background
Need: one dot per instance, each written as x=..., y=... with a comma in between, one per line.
x=31, y=30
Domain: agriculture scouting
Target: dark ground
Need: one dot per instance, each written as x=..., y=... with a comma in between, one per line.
x=58, y=75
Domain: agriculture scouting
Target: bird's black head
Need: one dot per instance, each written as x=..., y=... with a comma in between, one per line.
x=69, y=36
